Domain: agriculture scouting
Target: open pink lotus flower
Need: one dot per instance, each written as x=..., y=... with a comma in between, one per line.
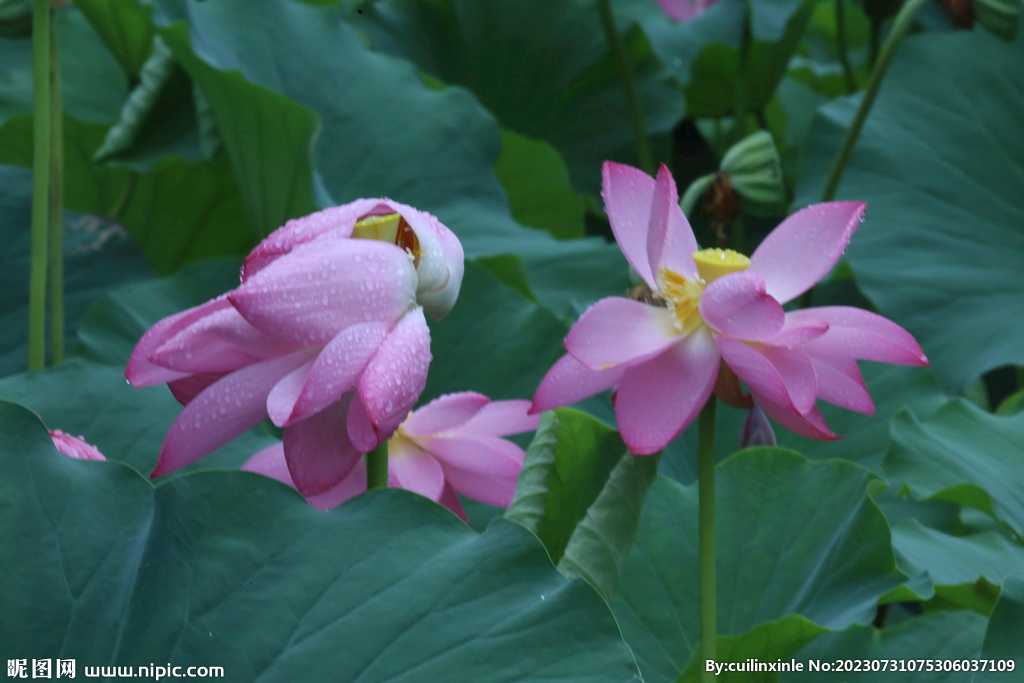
x=74, y=446
x=325, y=336
x=716, y=315
x=451, y=445
x=684, y=10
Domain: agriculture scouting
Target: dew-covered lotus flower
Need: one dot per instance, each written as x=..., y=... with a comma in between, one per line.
x=684, y=10
x=325, y=335
x=75, y=446
x=451, y=445
x=708, y=318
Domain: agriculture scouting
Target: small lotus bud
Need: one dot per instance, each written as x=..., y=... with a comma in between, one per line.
x=1000, y=17
x=756, y=430
x=74, y=446
x=755, y=173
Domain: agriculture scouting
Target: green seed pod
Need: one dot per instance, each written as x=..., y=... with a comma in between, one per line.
x=755, y=173
x=1000, y=17
x=154, y=74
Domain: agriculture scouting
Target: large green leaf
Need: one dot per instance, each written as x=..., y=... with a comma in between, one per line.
x=801, y=548
x=1004, y=635
x=179, y=212
x=235, y=570
x=944, y=636
x=495, y=341
x=565, y=470
x=940, y=163
x=964, y=455
x=94, y=400
x=125, y=28
x=97, y=255
x=543, y=67
x=965, y=570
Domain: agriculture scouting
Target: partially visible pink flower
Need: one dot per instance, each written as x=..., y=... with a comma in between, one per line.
x=717, y=318
x=326, y=336
x=75, y=446
x=451, y=445
x=684, y=10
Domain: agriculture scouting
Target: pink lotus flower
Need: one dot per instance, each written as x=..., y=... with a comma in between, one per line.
x=74, y=446
x=684, y=10
x=716, y=316
x=451, y=445
x=325, y=336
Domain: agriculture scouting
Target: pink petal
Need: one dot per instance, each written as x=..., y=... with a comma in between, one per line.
x=75, y=447
x=657, y=400
x=444, y=414
x=318, y=450
x=617, y=331
x=282, y=397
x=500, y=418
x=485, y=488
x=664, y=203
x=336, y=221
x=569, y=381
x=337, y=368
x=483, y=454
x=441, y=261
x=450, y=500
x=416, y=470
x=140, y=371
x=270, y=462
x=797, y=373
x=840, y=383
x=738, y=306
x=811, y=424
x=187, y=388
x=224, y=410
x=628, y=193
x=360, y=429
x=796, y=331
x=319, y=289
x=396, y=375
x=804, y=247
x=752, y=367
x=861, y=334
x=222, y=341
x=680, y=10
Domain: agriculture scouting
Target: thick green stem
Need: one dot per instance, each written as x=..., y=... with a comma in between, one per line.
x=56, y=208
x=40, y=184
x=844, y=57
x=900, y=27
x=377, y=467
x=628, y=81
x=706, y=521
x=739, y=107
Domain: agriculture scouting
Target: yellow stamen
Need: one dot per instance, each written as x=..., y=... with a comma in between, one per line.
x=389, y=228
x=714, y=263
x=682, y=295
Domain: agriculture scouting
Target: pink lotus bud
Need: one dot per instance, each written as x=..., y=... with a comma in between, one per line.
x=74, y=446
x=325, y=336
x=684, y=10
x=756, y=430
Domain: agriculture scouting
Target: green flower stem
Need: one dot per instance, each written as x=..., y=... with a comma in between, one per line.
x=739, y=107
x=625, y=68
x=844, y=57
x=377, y=467
x=40, y=184
x=706, y=521
x=900, y=27
x=56, y=208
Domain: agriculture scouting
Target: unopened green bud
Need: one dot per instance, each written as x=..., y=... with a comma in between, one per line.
x=755, y=173
x=1000, y=17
